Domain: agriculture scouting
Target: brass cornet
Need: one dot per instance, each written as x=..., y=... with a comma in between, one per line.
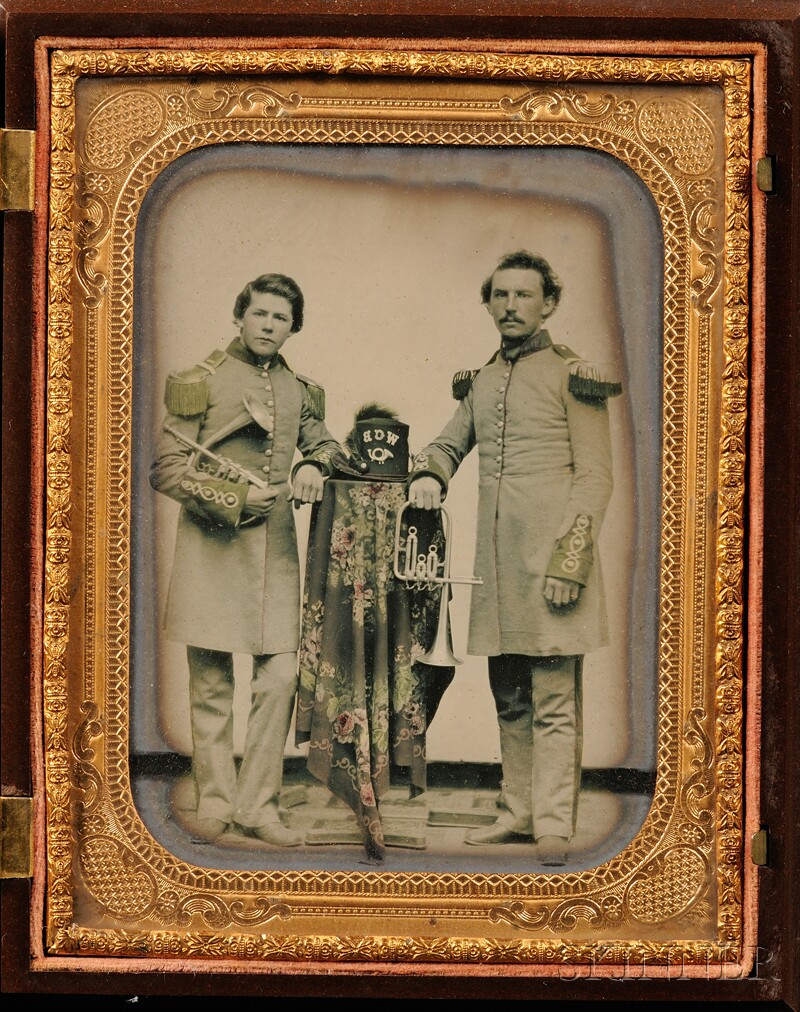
x=234, y=471
x=427, y=570
x=254, y=411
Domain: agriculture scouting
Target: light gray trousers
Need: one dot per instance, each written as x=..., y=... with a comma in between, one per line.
x=251, y=798
x=539, y=713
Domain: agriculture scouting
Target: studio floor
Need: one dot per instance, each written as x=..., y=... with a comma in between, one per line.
x=423, y=834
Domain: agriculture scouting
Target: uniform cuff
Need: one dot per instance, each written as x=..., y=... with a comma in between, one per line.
x=321, y=460
x=301, y=463
x=216, y=499
x=572, y=558
x=424, y=466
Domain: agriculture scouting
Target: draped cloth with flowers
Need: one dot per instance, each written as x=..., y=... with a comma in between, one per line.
x=365, y=700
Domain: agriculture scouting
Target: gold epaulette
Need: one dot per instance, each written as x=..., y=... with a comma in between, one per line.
x=186, y=393
x=462, y=383
x=316, y=396
x=586, y=380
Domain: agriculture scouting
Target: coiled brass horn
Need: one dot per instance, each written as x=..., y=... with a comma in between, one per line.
x=427, y=570
x=254, y=411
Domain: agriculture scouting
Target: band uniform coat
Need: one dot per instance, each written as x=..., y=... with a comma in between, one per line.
x=235, y=586
x=544, y=485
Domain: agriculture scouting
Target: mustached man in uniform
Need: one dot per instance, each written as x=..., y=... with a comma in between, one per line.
x=235, y=585
x=538, y=416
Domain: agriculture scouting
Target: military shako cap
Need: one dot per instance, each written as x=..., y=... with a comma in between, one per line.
x=377, y=446
x=383, y=442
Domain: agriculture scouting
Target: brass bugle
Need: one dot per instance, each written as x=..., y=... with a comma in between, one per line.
x=248, y=476
x=407, y=567
x=422, y=569
x=441, y=653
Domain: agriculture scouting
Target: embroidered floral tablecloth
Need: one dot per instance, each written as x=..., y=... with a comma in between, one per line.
x=365, y=700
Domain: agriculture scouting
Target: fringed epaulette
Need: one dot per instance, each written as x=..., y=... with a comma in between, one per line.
x=462, y=383
x=316, y=396
x=586, y=380
x=186, y=393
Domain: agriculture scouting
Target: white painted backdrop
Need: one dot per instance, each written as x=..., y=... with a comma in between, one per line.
x=390, y=247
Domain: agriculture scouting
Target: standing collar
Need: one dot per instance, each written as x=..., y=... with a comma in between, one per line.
x=238, y=351
x=536, y=342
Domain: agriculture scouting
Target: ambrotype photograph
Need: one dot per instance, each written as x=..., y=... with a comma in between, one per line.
x=442, y=328
x=396, y=472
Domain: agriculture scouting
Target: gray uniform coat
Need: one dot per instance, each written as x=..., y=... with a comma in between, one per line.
x=545, y=467
x=237, y=588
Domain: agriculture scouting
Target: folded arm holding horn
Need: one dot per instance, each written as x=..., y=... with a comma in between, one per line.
x=228, y=468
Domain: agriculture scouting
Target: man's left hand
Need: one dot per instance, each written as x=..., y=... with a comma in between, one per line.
x=561, y=592
x=307, y=486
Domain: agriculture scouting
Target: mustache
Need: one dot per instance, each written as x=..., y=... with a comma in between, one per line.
x=511, y=318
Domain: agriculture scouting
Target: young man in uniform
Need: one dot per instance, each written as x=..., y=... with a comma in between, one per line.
x=235, y=585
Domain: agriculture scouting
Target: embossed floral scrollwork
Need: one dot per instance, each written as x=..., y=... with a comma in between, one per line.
x=182, y=909
x=61, y=210
x=219, y=102
x=140, y=882
x=260, y=911
x=518, y=914
x=208, y=946
x=566, y=915
x=59, y=368
x=702, y=195
x=87, y=777
x=170, y=945
x=90, y=231
x=564, y=104
x=57, y=547
x=699, y=785
x=97, y=220
x=57, y=593
x=223, y=101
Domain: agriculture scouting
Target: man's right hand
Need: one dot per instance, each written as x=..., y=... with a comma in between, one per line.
x=425, y=493
x=260, y=501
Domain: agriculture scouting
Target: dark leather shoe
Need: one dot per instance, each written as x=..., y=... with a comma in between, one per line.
x=552, y=851
x=492, y=835
x=276, y=835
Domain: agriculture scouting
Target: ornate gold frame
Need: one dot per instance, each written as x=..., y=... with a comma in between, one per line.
x=677, y=896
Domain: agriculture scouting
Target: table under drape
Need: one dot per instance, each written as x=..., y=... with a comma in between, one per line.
x=365, y=699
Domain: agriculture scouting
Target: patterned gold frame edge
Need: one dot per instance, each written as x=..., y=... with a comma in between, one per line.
x=681, y=893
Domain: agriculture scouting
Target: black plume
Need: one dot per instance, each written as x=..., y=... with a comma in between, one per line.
x=375, y=410
x=371, y=410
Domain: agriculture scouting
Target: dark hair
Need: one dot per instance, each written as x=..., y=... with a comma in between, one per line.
x=522, y=260
x=274, y=284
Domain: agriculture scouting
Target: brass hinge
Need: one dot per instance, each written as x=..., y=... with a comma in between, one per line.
x=765, y=174
x=17, y=149
x=759, y=847
x=16, y=837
